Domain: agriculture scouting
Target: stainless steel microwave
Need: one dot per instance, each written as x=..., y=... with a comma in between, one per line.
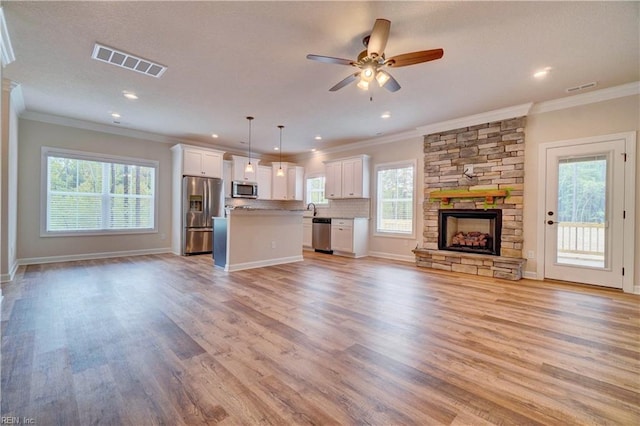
x=241, y=189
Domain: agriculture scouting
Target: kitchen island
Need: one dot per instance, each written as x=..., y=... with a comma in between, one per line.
x=254, y=238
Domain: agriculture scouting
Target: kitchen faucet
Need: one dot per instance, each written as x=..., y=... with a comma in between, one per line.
x=314, y=208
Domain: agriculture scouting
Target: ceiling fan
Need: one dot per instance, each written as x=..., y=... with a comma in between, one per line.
x=371, y=61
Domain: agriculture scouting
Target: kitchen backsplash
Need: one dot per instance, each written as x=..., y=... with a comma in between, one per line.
x=345, y=208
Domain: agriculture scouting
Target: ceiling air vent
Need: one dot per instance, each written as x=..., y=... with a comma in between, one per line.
x=127, y=61
x=581, y=87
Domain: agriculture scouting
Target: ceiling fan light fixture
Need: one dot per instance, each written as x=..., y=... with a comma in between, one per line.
x=364, y=85
x=382, y=77
x=368, y=74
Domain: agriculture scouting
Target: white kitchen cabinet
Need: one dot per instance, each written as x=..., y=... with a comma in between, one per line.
x=196, y=161
x=239, y=169
x=264, y=182
x=307, y=232
x=347, y=178
x=349, y=237
x=289, y=186
x=333, y=180
x=295, y=183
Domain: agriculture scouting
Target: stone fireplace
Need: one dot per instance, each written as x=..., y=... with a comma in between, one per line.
x=476, y=170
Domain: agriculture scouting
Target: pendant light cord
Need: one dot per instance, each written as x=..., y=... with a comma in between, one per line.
x=249, y=118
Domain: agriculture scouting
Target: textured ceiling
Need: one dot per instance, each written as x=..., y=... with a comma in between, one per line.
x=227, y=60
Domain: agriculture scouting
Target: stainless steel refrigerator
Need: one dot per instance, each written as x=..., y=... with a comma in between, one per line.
x=202, y=198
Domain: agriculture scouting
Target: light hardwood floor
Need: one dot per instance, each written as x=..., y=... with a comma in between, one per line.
x=169, y=340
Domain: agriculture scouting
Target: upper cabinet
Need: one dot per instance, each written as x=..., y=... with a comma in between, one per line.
x=347, y=178
x=197, y=161
x=240, y=166
x=264, y=182
x=333, y=180
x=289, y=186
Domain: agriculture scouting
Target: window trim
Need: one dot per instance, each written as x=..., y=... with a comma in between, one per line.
x=47, y=152
x=396, y=165
x=312, y=176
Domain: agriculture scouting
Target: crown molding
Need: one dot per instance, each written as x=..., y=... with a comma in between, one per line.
x=98, y=127
x=17, y=99
x=6, y=50
x=629, y=89
x=473, y=120
x=382, y=140
x=120, y=131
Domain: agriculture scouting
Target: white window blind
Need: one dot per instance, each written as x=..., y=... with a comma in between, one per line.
x=89, y=193
x=395, y=198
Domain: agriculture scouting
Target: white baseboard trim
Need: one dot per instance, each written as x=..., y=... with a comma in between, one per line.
x=5, y=278
x=392, y=256
x=262, y=263
x=636, y=289
x=91, y=256
x=530, y=275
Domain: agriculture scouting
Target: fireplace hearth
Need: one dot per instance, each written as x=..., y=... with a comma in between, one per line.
x=470, y=230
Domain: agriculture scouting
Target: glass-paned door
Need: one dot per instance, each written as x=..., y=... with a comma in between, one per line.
x=584, y=213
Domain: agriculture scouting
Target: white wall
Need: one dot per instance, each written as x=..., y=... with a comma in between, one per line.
x=410, y=148
x=33, y=135
x=601, y=118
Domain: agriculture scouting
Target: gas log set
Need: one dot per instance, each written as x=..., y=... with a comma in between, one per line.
x=471, y=239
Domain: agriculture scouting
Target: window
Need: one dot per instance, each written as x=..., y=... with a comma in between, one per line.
x=315, y=190
x=395, y=209
x=91, y=193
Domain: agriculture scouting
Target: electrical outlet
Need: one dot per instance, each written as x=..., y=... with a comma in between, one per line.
x=273, y=244
x=163, y=236
x=531, y=254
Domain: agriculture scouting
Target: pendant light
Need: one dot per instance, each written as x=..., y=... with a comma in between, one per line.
x=280, y=172
x=249, y=168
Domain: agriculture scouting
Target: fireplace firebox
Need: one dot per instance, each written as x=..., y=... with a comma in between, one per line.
x=471, y=231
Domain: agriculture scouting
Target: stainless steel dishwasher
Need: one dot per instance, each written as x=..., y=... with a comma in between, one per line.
x=321, y=234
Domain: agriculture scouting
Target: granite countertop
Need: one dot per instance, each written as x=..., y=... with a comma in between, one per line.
x=255, y=210
x=336, y=217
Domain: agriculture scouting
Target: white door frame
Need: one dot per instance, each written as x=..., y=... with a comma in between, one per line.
x=629, y=197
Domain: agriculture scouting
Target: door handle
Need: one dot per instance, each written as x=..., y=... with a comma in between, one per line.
x=550, y=222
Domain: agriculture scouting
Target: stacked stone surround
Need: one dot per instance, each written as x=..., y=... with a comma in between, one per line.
x=496, y=151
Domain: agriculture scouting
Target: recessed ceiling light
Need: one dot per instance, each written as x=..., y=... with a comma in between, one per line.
x=275, y=148
x=313, y=150
x=129, y=95
x=385, y=115
x=115, y=115
x=318, y=138
x=542, y=73
x=214, y=135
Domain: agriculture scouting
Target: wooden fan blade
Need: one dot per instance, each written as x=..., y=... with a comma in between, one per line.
x=414, y=58
x=378, y=38
x=344, y=82
x=392, y=85
x=330, y=60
